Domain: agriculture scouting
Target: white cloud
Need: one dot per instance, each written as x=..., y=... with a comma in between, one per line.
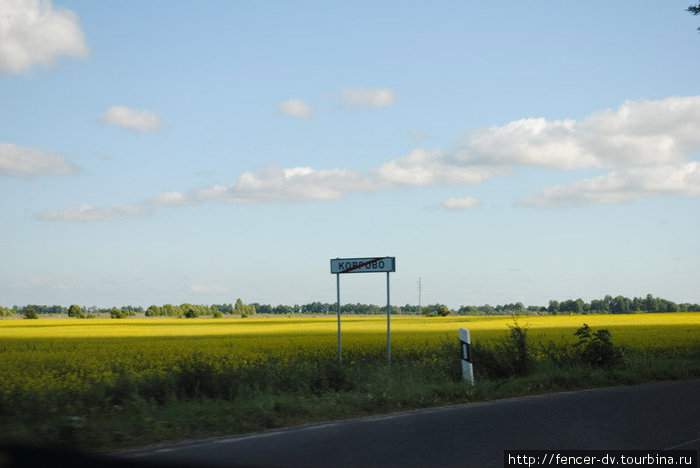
x=458, y=204
x=427, y=168
x=636, y=133
x=289, y=184
x=33, y=33
x=623, y=186
x=358, y=97
x=419, y=168
x=89, y=213
x=171, y=198
x=131, y=119
x=295, y=108
x=204, y=289
x=20, y=161
x=653, y=138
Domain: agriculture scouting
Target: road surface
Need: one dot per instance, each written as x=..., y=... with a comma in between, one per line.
x=655, y=416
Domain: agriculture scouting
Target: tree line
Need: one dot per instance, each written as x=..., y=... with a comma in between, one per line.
x=606, y=305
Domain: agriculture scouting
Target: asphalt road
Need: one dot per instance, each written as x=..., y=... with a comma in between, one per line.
x=656, y=416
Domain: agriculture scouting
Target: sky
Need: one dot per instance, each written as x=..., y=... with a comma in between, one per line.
x=173, y=151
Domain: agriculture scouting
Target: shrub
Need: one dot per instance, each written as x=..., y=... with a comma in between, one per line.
x=75, y=311
x=30, y=313
x=518, y=346
x=510, y=357
x=597, y=348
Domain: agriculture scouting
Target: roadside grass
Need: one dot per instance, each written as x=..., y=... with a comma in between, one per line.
x=204, y=393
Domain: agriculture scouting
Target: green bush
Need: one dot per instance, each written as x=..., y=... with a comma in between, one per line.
x=518, y=348
x=75, y=311
x=30, y=313
x=597, y=348
x=510, y=357
x=116, y=313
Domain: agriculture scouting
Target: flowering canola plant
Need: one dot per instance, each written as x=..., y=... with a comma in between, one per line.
x=62, y=358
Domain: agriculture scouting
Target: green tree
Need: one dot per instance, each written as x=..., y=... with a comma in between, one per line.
x=242, y=309
x=75, y=311
x=608, y=303
x=170, y=310
x=694, y=9
x=620, y=305
x=190, y=311
x=30, y=313
x=597, y=306
x=116, y=313
x=443, y=310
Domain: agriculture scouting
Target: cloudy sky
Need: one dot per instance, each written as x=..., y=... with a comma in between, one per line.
x=171, y=151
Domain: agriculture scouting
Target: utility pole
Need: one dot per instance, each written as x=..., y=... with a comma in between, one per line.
x=419, y=294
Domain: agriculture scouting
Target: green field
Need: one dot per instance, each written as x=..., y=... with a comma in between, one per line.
x=105, y=383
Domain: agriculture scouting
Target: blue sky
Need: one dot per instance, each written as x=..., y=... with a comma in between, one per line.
x=169, y=151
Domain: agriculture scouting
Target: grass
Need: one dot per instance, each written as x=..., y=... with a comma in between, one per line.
x=119, y=383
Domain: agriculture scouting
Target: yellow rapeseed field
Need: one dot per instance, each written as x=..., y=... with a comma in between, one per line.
x=70, y=356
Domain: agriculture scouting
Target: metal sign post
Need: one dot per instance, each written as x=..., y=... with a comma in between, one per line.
x=340, y=344
x=365, y=265
x=388, y=323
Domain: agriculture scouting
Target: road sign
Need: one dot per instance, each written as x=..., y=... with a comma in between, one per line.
x=363, y=265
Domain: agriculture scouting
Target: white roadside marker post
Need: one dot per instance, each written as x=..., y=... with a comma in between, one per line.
x=465, y=344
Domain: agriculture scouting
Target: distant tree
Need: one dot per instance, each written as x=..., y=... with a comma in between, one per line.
x=5, y=312
x=75, y=311
x=282, y=309
x=443, y=310
x=223, y=308
x=314, y=308
x=116, y=313
x=620, y=305
x=190, y=312
x=553, y=307
x=694, y=9
x=170, y=310
x=30, y=313
x=568, y=306
x=597, y=306
x=242, y=309
x=469, y=310
x=608, y=303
